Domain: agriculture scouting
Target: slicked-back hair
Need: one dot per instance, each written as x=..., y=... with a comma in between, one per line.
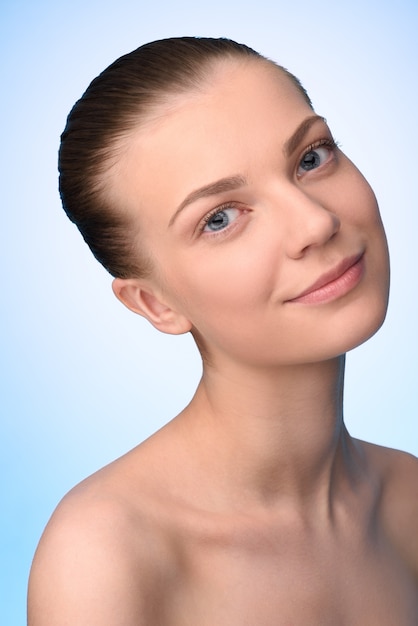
x=116, y=102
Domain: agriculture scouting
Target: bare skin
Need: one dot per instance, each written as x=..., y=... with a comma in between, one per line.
x=172, y=534
x=254, y=506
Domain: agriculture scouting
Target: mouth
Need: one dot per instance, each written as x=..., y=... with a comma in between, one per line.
x=335, y=283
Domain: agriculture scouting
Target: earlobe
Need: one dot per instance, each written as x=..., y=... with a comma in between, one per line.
x=140, y=298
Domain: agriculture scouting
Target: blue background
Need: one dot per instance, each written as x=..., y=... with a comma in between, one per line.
x=82, y=379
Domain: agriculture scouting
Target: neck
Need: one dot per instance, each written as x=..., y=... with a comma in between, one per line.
x=271, y=435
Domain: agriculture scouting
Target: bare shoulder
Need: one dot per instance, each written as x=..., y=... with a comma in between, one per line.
x=100, y=560
x=398, y=473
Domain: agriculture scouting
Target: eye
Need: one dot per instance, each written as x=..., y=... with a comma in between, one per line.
x=316, y=156
x=220, y=219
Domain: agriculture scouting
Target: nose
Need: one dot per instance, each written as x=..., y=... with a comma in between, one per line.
x=310, y=223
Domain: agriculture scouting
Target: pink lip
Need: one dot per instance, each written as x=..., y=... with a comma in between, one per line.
x=335, y=283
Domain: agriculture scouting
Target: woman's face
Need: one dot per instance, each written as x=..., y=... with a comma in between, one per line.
x=265, y=237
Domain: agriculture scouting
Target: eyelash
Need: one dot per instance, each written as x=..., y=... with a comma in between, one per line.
x=328, y=142
x=218, y=209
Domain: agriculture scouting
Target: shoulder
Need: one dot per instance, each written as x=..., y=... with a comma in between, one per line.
x=100, y=559
x=398, y=471
x=398, y=476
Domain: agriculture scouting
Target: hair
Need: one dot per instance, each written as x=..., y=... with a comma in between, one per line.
x=116, y=102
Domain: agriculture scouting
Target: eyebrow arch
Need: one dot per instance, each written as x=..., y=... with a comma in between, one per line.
x=219, y=186
x=303, y=128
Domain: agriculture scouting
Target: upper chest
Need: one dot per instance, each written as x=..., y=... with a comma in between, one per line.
x=293, y=580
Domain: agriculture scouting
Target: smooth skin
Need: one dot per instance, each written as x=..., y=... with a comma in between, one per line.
x=254, y=506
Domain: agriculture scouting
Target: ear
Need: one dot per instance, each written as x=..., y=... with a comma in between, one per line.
x=142, y=298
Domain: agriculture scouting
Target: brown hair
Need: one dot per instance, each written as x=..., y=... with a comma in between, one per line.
x=114, y=103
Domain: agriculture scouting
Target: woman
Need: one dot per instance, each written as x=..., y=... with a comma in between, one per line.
x=203, y=180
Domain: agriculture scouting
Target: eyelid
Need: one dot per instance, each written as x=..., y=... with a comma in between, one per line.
x=327, y=142
x=221, y=207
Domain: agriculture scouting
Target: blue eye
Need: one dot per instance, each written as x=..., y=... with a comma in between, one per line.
x=220, y=220
x=315, y=157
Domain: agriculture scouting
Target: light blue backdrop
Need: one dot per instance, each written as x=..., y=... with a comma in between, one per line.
x=83, y=380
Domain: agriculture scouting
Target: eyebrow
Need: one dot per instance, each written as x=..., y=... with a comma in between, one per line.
x=232, y=183
x=212, y=189
x=293, y=142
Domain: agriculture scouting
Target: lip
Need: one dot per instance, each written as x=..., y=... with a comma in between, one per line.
x=335, y=283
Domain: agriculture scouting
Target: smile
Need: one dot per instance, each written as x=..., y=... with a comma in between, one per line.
x=335, y=283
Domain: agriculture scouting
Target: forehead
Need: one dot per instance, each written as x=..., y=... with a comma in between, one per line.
x=233, y=91
x=242, y=112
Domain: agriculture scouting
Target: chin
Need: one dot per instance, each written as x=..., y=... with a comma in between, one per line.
x=363, y=328
x=348, y=331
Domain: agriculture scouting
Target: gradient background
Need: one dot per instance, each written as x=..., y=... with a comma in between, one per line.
x=82, y=379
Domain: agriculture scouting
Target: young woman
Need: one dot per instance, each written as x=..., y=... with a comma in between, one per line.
x=203, y=180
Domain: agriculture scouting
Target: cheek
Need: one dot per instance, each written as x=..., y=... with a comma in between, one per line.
x=361, y=213
x=367, y=218
x=356, y=197
x=224, y=282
